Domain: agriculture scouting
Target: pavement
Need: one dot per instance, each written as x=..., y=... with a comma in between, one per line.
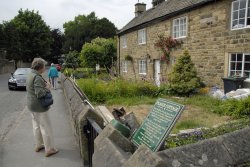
x=17, y=141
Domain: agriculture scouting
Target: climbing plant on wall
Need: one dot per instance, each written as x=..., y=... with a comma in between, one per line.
x=166, y=44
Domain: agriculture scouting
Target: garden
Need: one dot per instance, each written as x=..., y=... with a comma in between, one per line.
x=205, y=115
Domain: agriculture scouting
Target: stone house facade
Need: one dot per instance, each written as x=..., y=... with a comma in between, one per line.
x=215, y=32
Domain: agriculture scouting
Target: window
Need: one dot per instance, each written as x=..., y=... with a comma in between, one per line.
x=143, y=67
x=239, y=65
x=142, y=36
x=240, y=14
x=124, y=41
x=125, y=66
x=180, y=27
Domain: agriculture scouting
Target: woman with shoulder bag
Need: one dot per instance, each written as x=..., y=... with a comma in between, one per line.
x=39, y=100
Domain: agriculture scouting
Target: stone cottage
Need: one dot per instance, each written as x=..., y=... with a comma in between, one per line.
x=216, y=33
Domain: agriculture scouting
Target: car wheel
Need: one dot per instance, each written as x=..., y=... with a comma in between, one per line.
x=10, y=88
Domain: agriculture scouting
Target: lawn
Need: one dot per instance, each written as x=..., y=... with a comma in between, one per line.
x=194, y=116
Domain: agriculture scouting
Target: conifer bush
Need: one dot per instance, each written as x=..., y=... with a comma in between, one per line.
x=183, y=79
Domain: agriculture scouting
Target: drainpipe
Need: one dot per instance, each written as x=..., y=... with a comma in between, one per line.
x=119, y=55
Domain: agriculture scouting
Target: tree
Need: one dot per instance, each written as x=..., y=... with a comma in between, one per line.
x=27, y=36
x=85, y=28
x=1, y=37
x=56, y=45
x=183, y=79
x=72, y=60
x=100, y=51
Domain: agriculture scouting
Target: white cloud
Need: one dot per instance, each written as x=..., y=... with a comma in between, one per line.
x=57, y=12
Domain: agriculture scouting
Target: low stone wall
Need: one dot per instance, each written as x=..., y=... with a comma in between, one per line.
x=224, y=151
x=6, y=66
x=79, y=112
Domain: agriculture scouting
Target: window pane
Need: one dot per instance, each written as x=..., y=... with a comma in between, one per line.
x=238, y=73
x=243, y=4
x=242, y=13
x=239, y=57
x=235, y=24
x=247, y=66
x=233, y=57
x=241, y=23
x=239, y=66
x=247, y=58
x=233, y=66
x=235, y=15
x=232, y=73
x=235, y=6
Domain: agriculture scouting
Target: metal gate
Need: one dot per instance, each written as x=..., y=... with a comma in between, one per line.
x=92, y=130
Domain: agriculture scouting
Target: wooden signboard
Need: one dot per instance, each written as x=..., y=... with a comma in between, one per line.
x=158, y=124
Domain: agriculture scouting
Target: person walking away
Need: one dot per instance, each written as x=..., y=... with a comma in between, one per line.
x=38, y=88
x=53, y=75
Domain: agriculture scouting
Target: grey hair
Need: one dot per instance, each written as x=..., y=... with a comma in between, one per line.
x=38, y=63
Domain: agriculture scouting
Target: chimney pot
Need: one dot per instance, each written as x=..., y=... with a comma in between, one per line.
x=140, y=8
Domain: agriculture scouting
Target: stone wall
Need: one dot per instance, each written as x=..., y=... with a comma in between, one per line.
x=6, y=66
x=210, y=41
x=230, y=150
x=79, y=112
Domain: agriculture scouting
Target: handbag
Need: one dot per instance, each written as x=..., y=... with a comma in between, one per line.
x=46, y=100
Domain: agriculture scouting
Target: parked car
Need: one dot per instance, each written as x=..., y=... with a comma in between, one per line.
x=58, y=67
x=18, y=78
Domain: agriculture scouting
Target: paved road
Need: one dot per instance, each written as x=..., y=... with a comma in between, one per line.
x=17, y=148
x=12, y=103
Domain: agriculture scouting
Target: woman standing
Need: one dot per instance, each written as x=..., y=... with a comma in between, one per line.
x=37, y=88
x=53, y=75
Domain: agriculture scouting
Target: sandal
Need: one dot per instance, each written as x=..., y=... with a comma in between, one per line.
x=51, y=152
x=38, y=149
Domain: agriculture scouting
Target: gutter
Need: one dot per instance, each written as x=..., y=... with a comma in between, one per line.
x=165, y=17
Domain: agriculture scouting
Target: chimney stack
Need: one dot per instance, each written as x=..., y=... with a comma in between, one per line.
x=140, y=8
x=157, y=2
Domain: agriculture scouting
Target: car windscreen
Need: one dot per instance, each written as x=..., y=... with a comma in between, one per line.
x=22, y=71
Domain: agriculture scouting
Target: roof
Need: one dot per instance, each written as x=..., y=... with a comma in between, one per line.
x=162, y=12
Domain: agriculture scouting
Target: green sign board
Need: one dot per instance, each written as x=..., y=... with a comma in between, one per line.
x=158, y=124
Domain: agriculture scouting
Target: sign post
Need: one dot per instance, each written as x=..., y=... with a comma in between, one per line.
x=158, y=124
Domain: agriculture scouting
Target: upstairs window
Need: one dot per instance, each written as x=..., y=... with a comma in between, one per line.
x=124, y=41
x=143, y=66
x=142, y=36
x=240, y=14
x=180, y=28
x=239, y=65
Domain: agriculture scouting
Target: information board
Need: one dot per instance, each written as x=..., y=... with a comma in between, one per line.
x=158, y=124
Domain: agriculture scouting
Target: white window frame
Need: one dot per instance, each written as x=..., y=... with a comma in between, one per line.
x=232, y=12
x=124, y=41
x=179, y=27
x=125, y=66
x=142, y=66
x=243, y=64
x=142, y=37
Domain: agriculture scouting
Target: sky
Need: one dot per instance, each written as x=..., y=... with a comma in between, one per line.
x=57, y=12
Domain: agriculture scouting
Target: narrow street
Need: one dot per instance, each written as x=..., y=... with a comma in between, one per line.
x=17, y=141
x=12, y=103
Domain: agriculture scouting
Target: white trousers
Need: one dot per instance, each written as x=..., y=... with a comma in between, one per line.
x=42, y=130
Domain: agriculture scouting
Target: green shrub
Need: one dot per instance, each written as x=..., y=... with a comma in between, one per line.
x=183, y=79
x=235, y=108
